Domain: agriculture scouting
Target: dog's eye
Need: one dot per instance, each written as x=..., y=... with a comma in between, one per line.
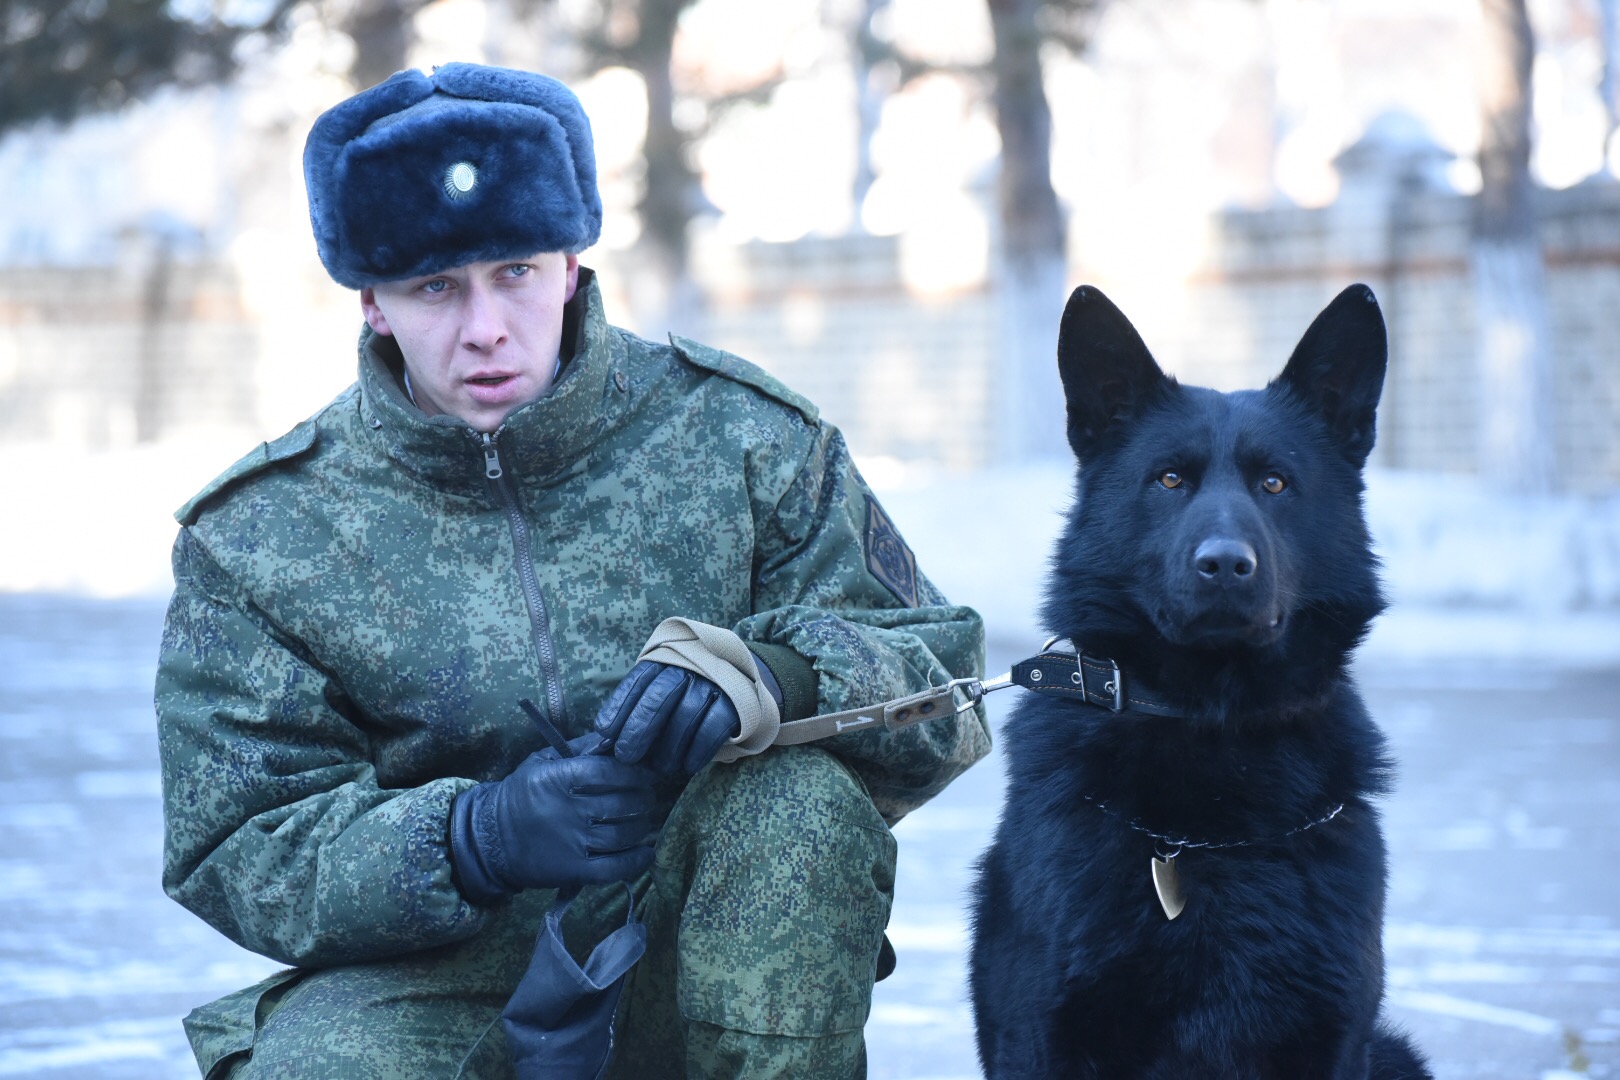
x=1274, y=484
x=1170, y=478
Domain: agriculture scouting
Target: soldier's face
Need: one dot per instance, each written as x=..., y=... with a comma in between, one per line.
x=478, y=340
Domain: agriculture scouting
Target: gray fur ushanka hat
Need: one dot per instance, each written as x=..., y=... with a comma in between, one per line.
x=423, y=173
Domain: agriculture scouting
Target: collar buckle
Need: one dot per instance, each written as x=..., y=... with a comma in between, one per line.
x=1115, y=685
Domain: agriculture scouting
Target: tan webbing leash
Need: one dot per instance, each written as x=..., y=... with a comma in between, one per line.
x=721, y=657
x=934, y=702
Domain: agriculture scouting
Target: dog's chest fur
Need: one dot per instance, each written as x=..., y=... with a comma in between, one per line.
x=1094, y=805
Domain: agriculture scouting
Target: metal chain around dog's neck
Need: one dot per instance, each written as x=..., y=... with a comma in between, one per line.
x=1180, y=843
x=1032, y=675
x=1166, y=881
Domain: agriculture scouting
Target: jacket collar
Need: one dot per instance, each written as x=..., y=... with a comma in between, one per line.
x=538, y=443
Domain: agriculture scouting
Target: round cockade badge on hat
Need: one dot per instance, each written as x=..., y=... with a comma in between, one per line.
x=460, y=179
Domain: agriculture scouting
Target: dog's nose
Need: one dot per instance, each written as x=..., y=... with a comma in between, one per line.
x=1225, y=560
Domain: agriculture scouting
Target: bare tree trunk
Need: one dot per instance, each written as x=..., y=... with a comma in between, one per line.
x=383, y=32
x=668, y=297
x=1609, y=86
x=154, y=382
x=1033, y=265
x=869, y=97
x=1516, y=430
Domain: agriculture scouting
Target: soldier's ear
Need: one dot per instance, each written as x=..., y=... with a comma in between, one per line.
x=374, y=314
x=573, y=278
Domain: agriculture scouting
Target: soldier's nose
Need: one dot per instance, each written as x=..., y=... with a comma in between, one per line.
x=482, y=326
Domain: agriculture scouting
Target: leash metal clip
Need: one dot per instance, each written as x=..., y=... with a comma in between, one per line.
x=974, y=690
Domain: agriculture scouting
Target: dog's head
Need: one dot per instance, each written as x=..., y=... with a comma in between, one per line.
x=1219, y=524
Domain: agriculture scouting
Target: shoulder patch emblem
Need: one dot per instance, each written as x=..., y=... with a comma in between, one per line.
x=888, y=557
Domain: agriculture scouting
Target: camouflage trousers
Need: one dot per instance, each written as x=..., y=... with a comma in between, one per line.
x=765, y=909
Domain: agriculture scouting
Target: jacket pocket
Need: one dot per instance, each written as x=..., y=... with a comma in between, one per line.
x=222, y=1032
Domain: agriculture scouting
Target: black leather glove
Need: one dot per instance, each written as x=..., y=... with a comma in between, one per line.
x=667, y=718
x=556, y=822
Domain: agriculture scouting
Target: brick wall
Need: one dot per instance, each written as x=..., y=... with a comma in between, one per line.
x=104, y=356
x=905, y=374
x=1270, y=272
x=110, y=355
x=910, y=375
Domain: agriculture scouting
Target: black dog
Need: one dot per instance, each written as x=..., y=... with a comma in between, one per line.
x=1187, y=882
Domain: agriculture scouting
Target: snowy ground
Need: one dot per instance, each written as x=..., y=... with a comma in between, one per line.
x=1497, y=674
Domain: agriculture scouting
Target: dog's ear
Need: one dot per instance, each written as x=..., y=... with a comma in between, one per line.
x=1338, y=369
x=1108, y=373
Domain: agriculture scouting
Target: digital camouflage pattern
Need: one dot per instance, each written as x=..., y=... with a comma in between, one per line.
x=778, y=927
x=762, y=942
x=349, y=638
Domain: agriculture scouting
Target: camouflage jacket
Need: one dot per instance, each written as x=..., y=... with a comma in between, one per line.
x=360, y=604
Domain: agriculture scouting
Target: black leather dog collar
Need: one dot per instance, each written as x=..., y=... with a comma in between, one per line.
x=1089, y=679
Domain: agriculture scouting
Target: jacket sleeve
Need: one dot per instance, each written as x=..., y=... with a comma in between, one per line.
x=276, y=832
x=835, y=583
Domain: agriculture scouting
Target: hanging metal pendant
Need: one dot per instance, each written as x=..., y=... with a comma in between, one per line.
x=1167, y=884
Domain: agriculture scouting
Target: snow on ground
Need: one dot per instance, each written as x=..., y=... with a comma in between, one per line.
x=1471, y=573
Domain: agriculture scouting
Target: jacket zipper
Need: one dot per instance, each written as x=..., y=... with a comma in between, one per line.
x=540, y=625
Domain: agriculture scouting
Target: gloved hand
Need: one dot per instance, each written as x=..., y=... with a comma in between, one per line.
x=667, y=718
x=556, y=822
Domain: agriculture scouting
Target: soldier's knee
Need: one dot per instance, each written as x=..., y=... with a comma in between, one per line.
x=787, y=875
x=791, y=796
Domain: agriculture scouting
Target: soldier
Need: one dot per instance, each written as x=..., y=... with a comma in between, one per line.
x=509, y=499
